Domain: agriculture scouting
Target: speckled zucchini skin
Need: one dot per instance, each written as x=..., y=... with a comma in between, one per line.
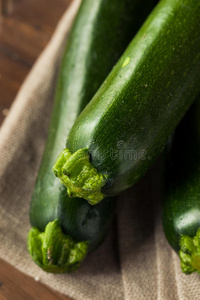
x=130, y=118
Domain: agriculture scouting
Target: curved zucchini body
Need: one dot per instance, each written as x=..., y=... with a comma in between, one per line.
x=80, y=220
x=130, y=118
x=101, y=32
x=181, y=206
x=77, y=228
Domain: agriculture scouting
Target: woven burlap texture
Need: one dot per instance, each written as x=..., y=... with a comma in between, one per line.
x=135, y=261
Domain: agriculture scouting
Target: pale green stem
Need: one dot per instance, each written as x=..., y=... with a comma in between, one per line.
x=190, y=253
x=79, y=175
x=55, y=251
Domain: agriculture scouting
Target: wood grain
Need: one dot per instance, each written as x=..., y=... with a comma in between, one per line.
x=6, y=6
x=25, y=29
x=14, y=285
x=24, y=33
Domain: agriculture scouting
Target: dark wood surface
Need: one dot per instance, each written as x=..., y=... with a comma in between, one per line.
x=24, y=32
x=23, y=35
x=16, y=286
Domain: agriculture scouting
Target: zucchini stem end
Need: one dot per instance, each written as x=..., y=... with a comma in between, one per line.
x=54, y=251
x=190, y=253
x=79, y=175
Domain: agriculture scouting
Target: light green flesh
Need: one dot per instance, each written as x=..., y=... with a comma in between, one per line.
x=55, y=251
x=79, y=176
x=190, y=253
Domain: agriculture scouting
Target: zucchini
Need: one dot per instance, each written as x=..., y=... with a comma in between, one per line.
x=101, y=32
x=181, y=206
x=129, y=120
x=76, y=229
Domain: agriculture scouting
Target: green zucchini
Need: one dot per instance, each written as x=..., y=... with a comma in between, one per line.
x=76, y=229
x=181, y=206
x=101, y=32
x=129, y=120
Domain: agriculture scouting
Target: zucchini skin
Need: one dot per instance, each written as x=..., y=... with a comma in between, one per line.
x=80, y=220
x=181, y=206
x=91, y=52
x=85, y=222
x=100, y=33
x=129, y=120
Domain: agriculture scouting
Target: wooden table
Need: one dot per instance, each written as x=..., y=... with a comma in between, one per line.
x=24, y=32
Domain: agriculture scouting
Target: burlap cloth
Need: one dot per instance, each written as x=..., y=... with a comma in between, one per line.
x=135, y=261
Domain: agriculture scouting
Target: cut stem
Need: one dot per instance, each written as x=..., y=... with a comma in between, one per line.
x=79, y=175
x=55, y=251
x=190, y=253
